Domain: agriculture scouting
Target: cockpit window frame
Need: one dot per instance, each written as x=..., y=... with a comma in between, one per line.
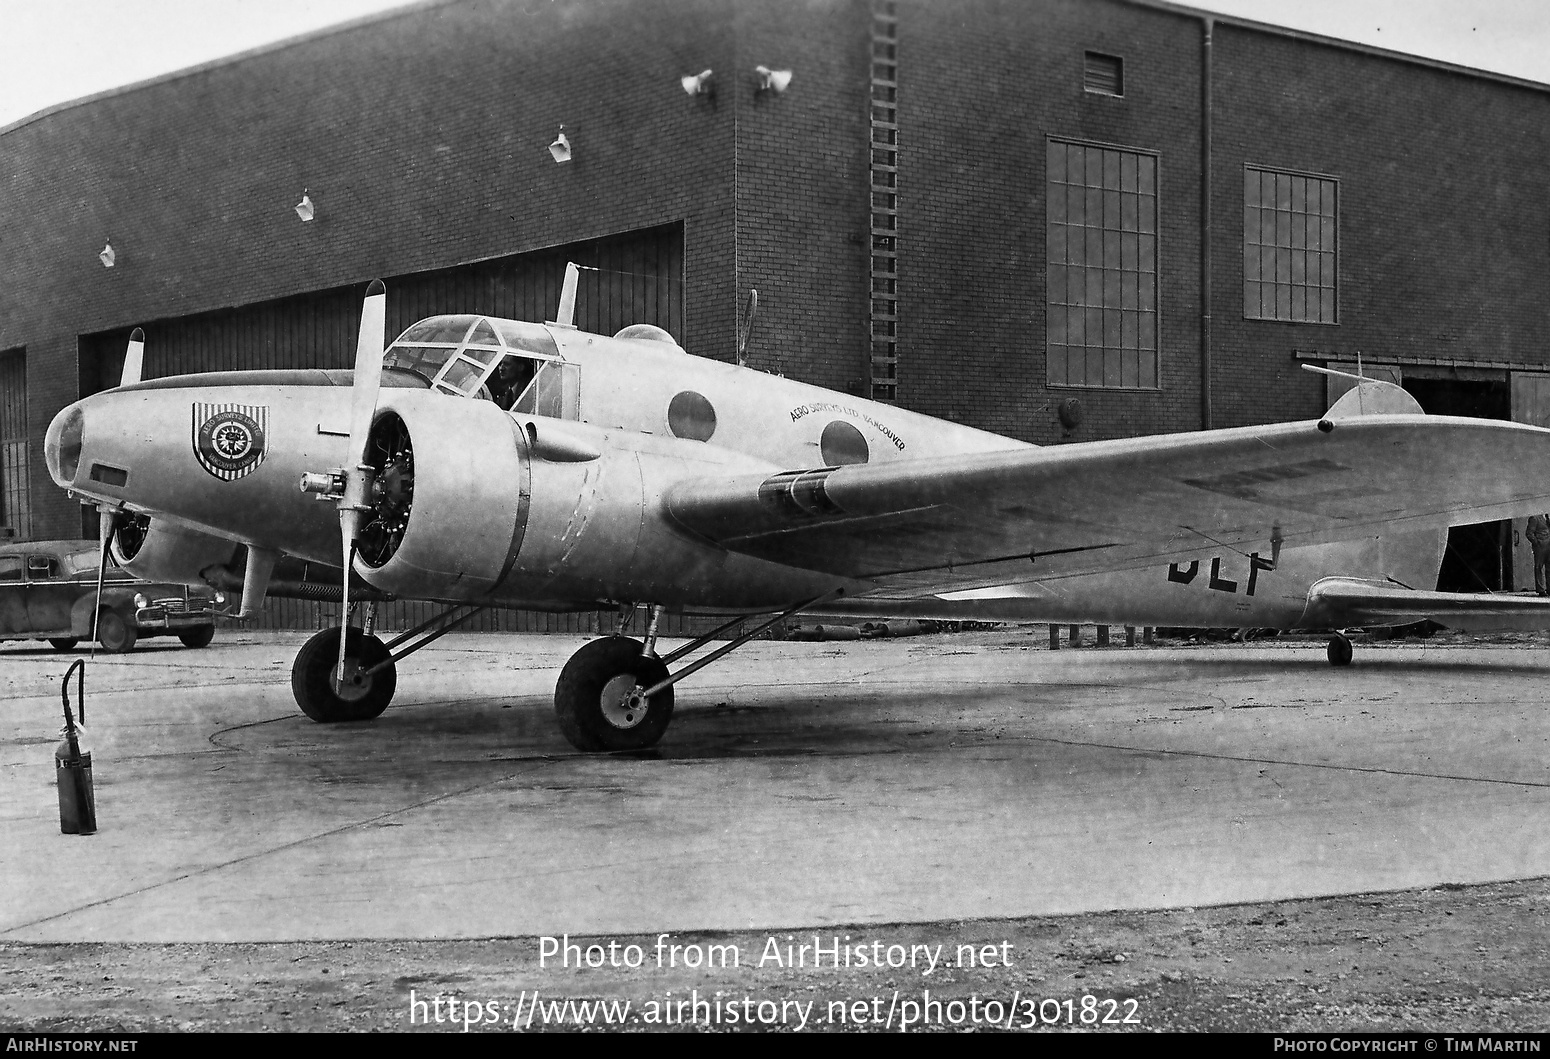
x=471, y=360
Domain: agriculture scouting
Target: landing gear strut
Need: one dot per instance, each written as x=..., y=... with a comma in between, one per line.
x=1339, y=650
x=362, y=695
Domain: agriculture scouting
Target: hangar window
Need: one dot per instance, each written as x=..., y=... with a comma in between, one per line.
x=14, y=507
x=1290, y=238
x=1101, y=298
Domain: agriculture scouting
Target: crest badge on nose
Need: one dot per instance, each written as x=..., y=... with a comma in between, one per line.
x=229, y=438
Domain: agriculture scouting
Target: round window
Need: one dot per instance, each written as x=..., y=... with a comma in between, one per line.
x=690, y=416
x=842, y=444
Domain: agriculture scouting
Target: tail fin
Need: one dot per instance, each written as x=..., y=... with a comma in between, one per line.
x=1410, y=559
x=1369, y=397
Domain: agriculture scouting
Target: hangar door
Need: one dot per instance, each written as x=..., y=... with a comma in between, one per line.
x=638, y=278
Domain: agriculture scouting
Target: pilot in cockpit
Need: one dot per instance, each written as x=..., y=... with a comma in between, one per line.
x=511, y=377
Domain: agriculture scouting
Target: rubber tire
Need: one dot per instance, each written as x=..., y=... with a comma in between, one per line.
x=1339, y=651
x=63, y=644
x=578, y=696
x=197, y=637
x=114, y=633
x=312, y=678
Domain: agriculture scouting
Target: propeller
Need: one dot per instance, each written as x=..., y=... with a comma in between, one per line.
x=134, y=358
x=134, y=364
x=357, y=473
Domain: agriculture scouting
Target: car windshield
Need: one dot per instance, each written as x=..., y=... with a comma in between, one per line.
x=458, y=354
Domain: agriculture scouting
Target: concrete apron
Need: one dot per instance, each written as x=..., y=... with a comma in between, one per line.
x=801, y=784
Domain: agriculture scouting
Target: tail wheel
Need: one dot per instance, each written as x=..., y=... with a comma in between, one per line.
x=361, y=699
x=198, y=637
x=114, y=633
x=1339, y=650
x=597, y=699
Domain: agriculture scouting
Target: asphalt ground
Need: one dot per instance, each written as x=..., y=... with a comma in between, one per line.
x=948, y=777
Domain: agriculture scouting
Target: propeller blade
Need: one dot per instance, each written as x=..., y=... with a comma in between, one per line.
x=363, y=406
x=105, y=535
x=368, y=369
x=134, y=358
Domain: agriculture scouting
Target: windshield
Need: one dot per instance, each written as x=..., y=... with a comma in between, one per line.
x=458, y=354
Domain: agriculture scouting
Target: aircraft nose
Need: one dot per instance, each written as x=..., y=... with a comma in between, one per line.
x=62, y=444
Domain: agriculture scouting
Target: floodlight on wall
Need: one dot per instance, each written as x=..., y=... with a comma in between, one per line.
x=107, y=256
x=772, y=80
x=305, y=209
x=698, y=84
x=560, y=148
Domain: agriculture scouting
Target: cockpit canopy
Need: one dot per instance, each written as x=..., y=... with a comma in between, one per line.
x=511, y=362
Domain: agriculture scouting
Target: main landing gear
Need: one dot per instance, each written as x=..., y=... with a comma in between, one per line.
x=365, y=691
x=370, y=667
x=614, y=694
x=1339, y=650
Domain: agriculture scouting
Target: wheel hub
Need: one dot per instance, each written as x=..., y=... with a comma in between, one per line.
x=624, y=703
x=355, y=685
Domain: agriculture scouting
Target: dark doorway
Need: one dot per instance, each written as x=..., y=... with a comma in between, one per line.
x=1479, y=558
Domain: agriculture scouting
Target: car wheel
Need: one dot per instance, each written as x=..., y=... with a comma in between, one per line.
x=114, y=633
x=63, y=644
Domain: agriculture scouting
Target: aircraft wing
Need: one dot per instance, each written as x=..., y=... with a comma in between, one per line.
x=1339, y=602
x=1035, y=513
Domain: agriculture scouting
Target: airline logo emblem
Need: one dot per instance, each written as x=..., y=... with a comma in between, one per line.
x=229, y=439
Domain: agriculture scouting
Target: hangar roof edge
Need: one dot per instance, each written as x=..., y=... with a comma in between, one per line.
x=419, y=5
x=1240, y=22
x=228, y=60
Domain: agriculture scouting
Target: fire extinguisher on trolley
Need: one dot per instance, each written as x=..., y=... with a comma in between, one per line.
x=72, y=764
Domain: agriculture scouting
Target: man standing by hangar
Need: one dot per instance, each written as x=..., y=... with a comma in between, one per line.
x=1538, y=534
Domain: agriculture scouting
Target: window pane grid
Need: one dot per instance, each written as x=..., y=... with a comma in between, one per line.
x=1101, y=292
x=1289, y=247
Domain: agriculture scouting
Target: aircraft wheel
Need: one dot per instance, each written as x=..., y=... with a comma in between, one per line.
x=312, y=678
x=199, y=637
x=114, y=633
x=1339, y=650
x=596, y=698
x=63, y=644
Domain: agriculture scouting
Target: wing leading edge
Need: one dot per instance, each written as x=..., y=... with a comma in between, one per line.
x=1040, y=513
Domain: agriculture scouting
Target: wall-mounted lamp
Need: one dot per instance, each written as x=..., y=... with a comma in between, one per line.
x=107, y=257
x=698, y=84
x=772, y=80
x=304, y=209
x=560, y=148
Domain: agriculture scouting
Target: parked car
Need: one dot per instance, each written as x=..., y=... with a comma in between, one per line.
x=48, y=590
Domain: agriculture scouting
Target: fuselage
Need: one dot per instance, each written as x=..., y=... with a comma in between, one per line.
x=560, y=499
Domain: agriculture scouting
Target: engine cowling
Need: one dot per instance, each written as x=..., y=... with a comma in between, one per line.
x=448, y=498
x=160, y=551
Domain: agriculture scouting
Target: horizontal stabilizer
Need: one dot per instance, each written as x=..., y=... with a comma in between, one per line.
x=1340, y=602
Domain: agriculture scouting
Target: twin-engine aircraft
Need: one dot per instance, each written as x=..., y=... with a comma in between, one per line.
x=480, y=462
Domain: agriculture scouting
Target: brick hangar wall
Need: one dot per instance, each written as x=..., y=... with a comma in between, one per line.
x=802, y=187
x=982, y=85
x=1444, y=213
x=421, y=137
